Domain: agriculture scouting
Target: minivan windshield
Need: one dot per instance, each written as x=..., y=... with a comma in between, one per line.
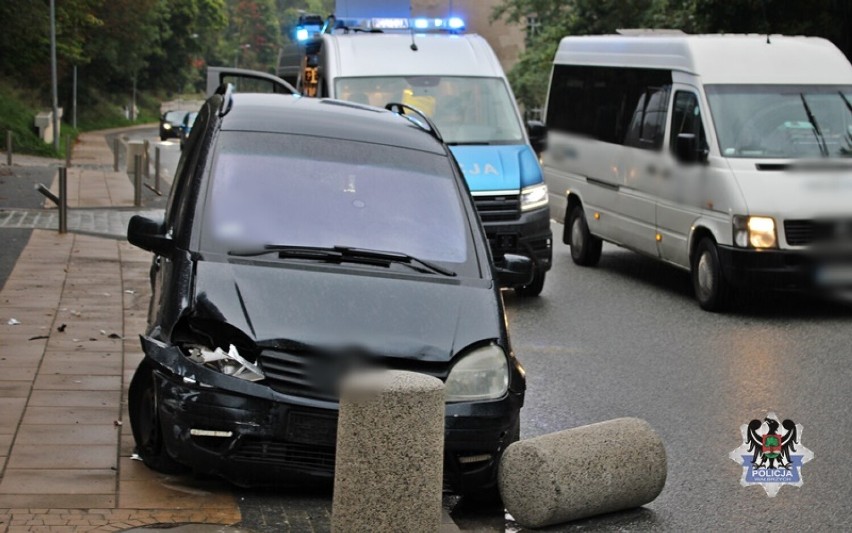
x=782, y=121
x=466, y=110
x=272, y=189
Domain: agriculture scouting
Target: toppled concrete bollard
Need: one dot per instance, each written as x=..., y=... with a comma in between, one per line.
x=390, y=453
x=610, y=466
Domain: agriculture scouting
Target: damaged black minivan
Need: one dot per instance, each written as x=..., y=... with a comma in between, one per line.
x=304, y=239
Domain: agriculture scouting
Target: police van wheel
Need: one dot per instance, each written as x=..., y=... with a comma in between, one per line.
x=711, y=288
x=535, y=286
x=585, y=247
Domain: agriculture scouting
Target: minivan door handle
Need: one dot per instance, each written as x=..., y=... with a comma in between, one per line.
x=651, y=170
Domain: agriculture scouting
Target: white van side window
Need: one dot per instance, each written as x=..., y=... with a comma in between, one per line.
x=686, y=118
x=602, y=103
x=648, y=125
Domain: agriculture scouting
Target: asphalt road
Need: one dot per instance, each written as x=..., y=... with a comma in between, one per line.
x=627, y=339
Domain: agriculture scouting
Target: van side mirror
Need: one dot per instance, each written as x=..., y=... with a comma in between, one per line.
x=537, y=132
x=149, y=235
x=687, y=150
x=514, y=270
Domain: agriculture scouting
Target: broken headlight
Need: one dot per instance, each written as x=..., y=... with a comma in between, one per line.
x=230, y=363
x=204, y=341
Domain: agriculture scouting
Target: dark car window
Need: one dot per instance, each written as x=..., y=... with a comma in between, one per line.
x=309, y=191
x=174, y=116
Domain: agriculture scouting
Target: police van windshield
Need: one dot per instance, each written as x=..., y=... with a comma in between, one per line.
x=782, y=121
x=467, y=110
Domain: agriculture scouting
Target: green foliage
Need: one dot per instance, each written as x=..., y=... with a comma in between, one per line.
x=831, y=19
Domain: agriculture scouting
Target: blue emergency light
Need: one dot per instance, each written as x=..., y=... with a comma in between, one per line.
x=302, y=34
x=452, y=24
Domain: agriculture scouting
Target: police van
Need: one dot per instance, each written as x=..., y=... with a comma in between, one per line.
x=724, y=155
x=457, y=82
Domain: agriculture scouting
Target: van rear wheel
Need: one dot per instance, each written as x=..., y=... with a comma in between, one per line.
x=712, y=290
x=585, y=247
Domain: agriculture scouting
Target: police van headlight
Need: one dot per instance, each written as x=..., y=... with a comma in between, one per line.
x=533, y=197
x=483, y=374
x=755, y=232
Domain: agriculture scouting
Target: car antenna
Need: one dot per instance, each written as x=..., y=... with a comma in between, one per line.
x=765, y=21
x=413, y=44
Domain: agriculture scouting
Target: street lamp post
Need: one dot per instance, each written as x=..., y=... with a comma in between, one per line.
x=53, y=83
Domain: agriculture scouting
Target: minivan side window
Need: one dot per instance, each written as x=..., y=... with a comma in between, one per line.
x=686, y=118
x=601, y=103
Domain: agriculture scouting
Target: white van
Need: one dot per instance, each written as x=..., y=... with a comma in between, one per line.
x=727, y=156
x=456, y=80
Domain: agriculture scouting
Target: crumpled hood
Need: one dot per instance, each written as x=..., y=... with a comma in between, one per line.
x=424, y=320
x=497, y=167
x=814, y=191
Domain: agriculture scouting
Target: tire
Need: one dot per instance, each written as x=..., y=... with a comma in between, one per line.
x=585, y=247
x=145, y=423
x=535, y=286
x=712, y=290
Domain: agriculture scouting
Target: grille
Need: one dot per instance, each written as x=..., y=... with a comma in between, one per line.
x=317, y=375
x=298, y=373
x=805, y=232
x=498, y=207
x=285, y=454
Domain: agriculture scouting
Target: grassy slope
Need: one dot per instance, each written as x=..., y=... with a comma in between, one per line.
x=19, y=107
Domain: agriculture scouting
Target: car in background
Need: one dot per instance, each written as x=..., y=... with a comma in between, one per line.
x=170, y=124
x=186, y=127
x=304, y=239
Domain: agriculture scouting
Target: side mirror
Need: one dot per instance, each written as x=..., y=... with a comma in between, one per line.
x=149, y=235
x=537, y=132
x=514, y=270
x=687, y=150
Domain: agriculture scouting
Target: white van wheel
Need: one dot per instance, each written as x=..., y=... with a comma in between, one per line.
x=711, y=288
x=585, y=247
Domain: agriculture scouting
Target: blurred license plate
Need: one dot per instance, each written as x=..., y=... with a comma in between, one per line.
x=834, y=276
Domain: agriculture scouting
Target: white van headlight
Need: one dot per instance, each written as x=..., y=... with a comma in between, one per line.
x=533, y=197
x=755, y=232
x=483, y=374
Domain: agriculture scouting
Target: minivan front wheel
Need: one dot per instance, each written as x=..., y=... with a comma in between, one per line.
x=712, y=290
x=585, y=247
x=145, y=423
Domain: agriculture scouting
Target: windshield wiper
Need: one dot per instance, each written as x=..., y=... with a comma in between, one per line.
x=817, y=133
x=344, y=254
x=470, y=143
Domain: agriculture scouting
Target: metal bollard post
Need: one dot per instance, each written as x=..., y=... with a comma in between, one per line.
x=67, y=151
x=63, y=200
x=9, y=147
x=157, y=169
x=137, y=180
x=115, y=154
x=147, y=163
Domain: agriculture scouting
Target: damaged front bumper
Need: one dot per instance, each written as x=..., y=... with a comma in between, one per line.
x=252, y=435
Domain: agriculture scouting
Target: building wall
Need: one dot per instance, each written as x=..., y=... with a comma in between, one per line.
x=507, y=40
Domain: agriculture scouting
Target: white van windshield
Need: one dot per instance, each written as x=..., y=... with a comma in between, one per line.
x=467, y=110
x=782, y=121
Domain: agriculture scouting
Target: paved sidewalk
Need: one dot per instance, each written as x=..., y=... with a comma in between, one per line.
x=70, y=313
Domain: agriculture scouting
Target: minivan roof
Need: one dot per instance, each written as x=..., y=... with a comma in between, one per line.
x=387, y=54
x=716, y=58
x=336, y=119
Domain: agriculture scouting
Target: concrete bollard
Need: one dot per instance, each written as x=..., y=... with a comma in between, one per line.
x=390, y=453
x=137, y=180
x=610, y=466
